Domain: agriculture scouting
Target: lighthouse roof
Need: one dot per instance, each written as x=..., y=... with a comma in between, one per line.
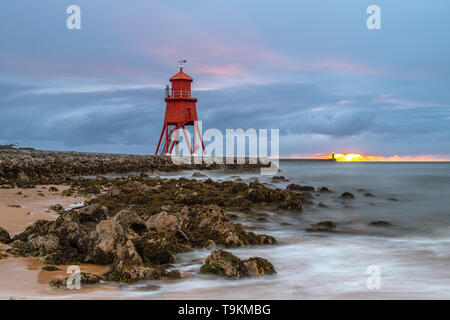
x=181, y=76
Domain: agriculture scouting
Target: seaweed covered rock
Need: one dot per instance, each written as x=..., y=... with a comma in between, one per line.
x=347, y=195
x=129, y=219
x=93, y=213
x=212, y=223
x=381, y=223
x=163, y=222
x=258, y=267
x=4, y=236
x=42, y=245
x=111, y=244
x=157, y=248
x=40, y=227
x=123, y=272
x=85, y=279
x=297, y=187
x=324, y=226
x=223, y=263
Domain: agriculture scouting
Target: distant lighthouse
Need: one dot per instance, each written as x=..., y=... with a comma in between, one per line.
x=181, y=111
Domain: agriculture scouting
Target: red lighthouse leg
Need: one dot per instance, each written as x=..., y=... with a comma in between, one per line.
x=175, y=140
x=200, y=136
x=187, y=139
x=159, y=142
x=166, y=140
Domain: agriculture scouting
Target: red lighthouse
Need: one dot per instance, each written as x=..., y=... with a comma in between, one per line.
x=181, y=112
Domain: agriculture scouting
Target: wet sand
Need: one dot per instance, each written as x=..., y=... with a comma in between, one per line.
x=19, y=208
x=23, y=278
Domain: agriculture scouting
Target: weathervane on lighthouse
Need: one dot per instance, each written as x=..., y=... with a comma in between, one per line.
x=181, y=63
x=181, y=111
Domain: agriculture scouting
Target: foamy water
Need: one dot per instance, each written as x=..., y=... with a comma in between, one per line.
x=413, y=256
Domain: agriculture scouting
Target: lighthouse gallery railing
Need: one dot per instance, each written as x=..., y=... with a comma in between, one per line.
x=180, y=94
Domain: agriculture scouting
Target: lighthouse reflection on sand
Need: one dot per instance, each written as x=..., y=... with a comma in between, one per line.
x=236, y=146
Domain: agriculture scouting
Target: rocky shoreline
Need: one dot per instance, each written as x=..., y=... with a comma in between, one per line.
x=136, y=224
x=26, y=168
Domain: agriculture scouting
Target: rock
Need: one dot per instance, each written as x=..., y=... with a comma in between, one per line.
x=129, y=219
x=368, y=194
x=129, y=253
x=123, y=272
x=255, y=195
x=347, y=195
x=223, y=263
x=19, y=246
x=109, y=235
x=279, y=178
x=43, y=245
x=324, y=190
x=94, y=212
x=258, y=267
x=210, y=245
x=322, y=205
x=85, y=279
x=4, y=236
x=23, y=177
x=199, y=175
x=162, y=222
x=296, y=187
x=381, y=223
x=53, y=189
x=57, y=208
x=324, y=226
x=156, y=248
x=114, y=191
x=393, y=199
x=40, y=227
x=265, y=239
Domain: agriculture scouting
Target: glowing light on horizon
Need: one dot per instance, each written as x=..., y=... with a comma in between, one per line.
x=355, y=157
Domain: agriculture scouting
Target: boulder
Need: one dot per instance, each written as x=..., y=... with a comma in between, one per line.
x=279, y=178
x=324, y=226
x=109, y=235
x=85, y=278
x=223, y=263
x=296, y=187
x=258, y=267
x=162, y=222
x=43, y=245
x=156, y=248
x=4, y=236
x=129, y=219
x=94, y=213
x=123, y=272
x=347, y=195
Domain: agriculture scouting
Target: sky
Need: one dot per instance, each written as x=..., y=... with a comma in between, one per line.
x=311, y=69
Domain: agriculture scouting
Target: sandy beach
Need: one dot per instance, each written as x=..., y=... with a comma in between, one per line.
x=23, y=278
x=19, y=207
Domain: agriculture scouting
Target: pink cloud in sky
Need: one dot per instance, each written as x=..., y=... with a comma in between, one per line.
x=347, y=101
x=387, y=98
x=227, y=70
